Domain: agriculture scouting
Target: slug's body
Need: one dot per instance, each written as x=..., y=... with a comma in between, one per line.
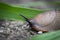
x=47, y=21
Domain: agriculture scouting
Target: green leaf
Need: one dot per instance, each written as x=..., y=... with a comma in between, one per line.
x=11, y=12
x=47, y=36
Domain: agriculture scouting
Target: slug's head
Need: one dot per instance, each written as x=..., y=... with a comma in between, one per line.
x=33, y=26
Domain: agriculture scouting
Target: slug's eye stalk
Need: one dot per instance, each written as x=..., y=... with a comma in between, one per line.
x=27, y=20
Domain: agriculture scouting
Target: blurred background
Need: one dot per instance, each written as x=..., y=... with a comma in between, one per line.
x=40, y=4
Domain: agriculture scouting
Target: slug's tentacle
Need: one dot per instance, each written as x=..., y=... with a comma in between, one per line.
x=30, y=24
